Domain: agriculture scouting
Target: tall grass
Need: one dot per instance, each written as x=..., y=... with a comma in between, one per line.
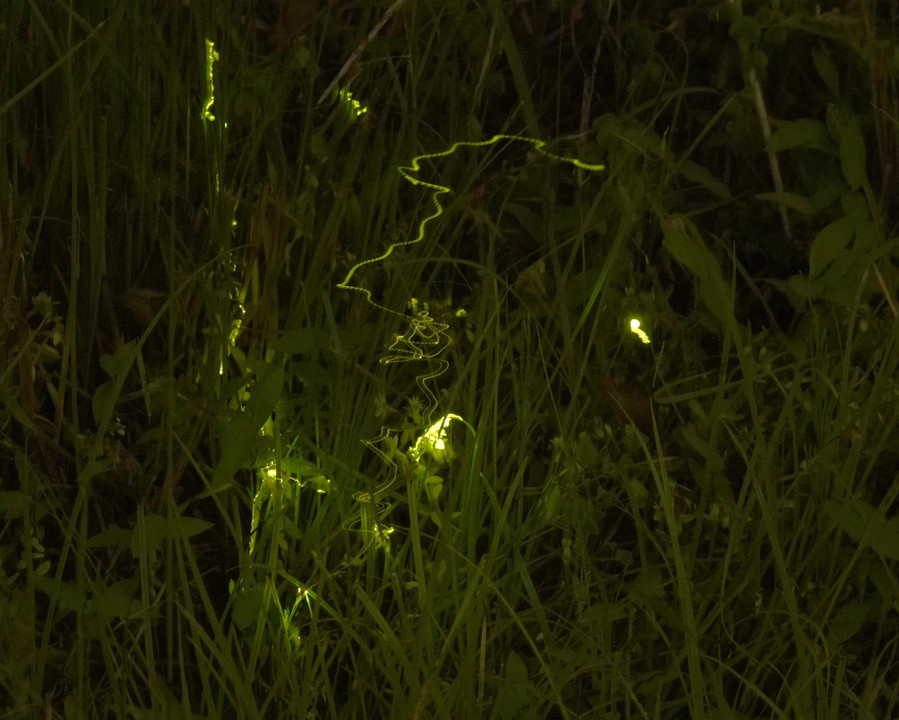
x=217, y=490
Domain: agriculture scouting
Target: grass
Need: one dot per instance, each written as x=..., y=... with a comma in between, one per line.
x=218, y=492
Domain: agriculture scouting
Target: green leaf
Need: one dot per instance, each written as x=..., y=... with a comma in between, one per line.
x=14, y=504
x=803, y=287
x=855, y=204
x=70, y=597
x=94, y=468
x=321, y=483
x=827, y=70
x=829, y=244
x=433, y=488
x=152, y=530
x=312, y=374
x=682, y=240
x=841, y=285
x=299, y=467
x=567, y=218
x=120, y=361
x=579, y=288
x=863, y=523
x=247, y=606
x=585, y=452
x=746, y=29
x=791, y=200
x=113, y=605
x=646, y=589
x=852, y=154
x=804, y=132
x=529, y=220
x=626, y=132
x=266, y=391
x=646, y=139
x=839, y=255
x=149, y=534
x=113, y=536
x=238, y=430
x=551, y=501
x=830, y=189
x=104, y=401
x=187, y=527
x=601, y=615
x=700, y=174
x=850, y=618
x=515, y=692
x=685, y=247
x=300, y=340
x=14, y=409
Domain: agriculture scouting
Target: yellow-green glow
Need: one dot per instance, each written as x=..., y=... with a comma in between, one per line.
x=374, y=532
x=424, y=340
x=211, y=57
x=437, y=191
x=270, y=475
x=382, y=535
x=433, y=441
x=635, y=328
x=236, y=324
x=355, y=106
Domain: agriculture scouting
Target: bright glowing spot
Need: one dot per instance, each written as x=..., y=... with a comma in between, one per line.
x=211, y=57
x=382, y=535
x=235, y=328
x=433, y=440
x=304, y=594
x=357, y=107
x=635, y=328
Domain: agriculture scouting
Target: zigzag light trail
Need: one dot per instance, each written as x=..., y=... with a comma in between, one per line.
x=426, y=338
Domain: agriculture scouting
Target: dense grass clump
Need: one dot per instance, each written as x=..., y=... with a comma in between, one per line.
x=449, y=359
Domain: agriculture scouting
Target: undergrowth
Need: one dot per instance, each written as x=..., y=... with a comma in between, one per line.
x=288, y=431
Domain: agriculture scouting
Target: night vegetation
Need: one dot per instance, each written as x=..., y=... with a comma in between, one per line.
x=320, y=395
